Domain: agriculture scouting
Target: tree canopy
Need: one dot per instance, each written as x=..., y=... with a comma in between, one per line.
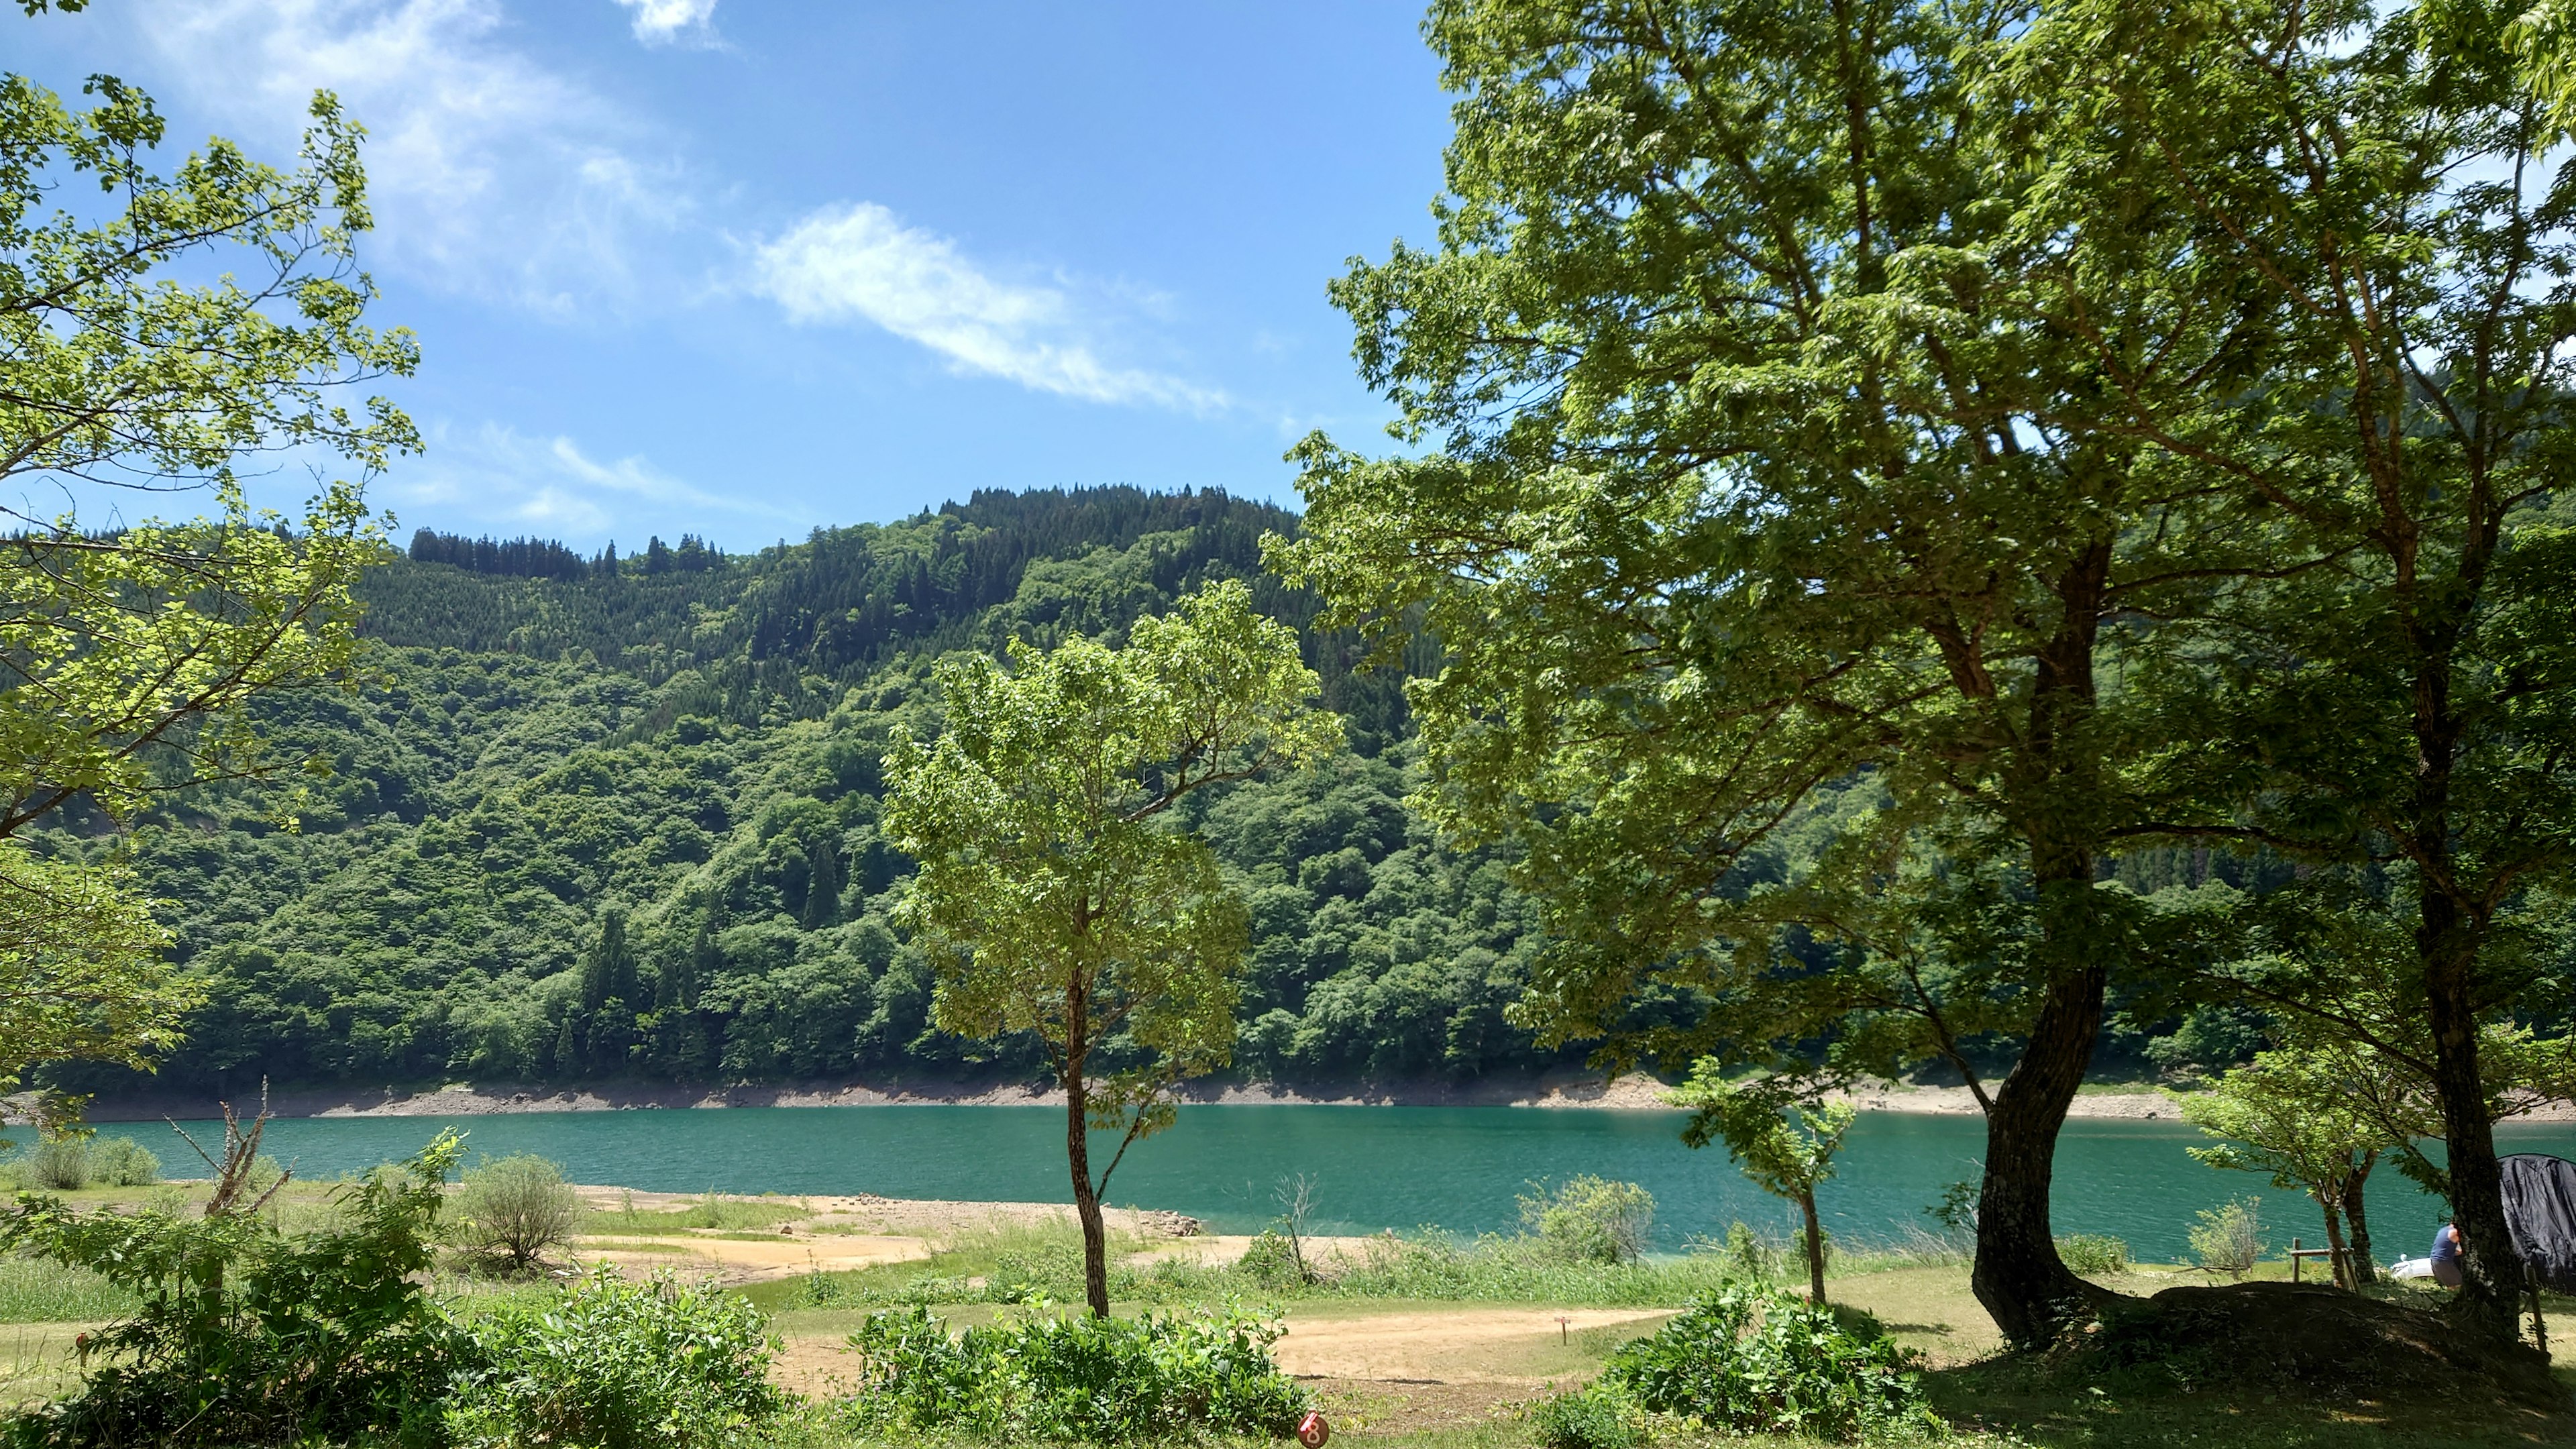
x=1053, y=893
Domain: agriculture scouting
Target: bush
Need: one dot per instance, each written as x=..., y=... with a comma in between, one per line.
x=60, y=1166
x=2091, y=1253
x=122, y=1162
x=245, y=1335
x=2229, y=1237
x=1100, y=1379
x=513, y=1210
x=1596, y=1417
x=1591, y=1219
x=1271, y=1261
x=1750, y=1361
x=615, y=1365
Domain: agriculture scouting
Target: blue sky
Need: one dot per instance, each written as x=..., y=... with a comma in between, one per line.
x=743, y=267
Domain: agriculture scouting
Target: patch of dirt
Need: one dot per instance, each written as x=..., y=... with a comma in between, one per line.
x=1377, y=1406
x=818, y=1368
x=1464, y=1345
x=736, y=1261
x=937, y=1220
x=2319, y=1341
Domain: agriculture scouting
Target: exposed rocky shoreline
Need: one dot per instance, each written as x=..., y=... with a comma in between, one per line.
x=1634, y=1092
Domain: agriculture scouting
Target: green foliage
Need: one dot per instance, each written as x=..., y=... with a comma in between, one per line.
x=68, y=1164
x=2093, y=1254
x=668, y=745
x=1588, y=1219
x=615, y=1365
x=39, y=1290
x=246, y=1335
x=2228, y=1238
x=1055, y=899
x=1956, y=1212
x=513, y=1210
x=1749, y=1361
x=131, y=653
x=1270, y=1261
x=1100, y=1380
x=1597, y=1416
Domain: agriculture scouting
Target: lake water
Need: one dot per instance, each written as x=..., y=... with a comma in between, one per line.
x=1457, y=1168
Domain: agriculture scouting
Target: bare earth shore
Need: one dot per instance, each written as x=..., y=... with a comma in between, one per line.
x=1636, y=1092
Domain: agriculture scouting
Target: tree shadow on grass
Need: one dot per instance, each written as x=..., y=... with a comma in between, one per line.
x=2046, y=1407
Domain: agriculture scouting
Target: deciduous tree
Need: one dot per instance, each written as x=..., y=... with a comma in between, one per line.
x=128, y=652
x=1780, y=1131
x=1055, y=891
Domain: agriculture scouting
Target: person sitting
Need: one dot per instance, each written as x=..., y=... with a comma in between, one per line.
x=2446, y=1256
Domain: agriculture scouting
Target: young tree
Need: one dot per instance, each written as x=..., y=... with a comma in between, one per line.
x=1779, y=1132
x=2293, y=1117
x=2384, y=193
x=1054, y=892
x=1766, y=461
x=128, y=653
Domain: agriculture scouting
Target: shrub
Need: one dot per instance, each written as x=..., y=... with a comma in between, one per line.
x=1594, y=1417
x=246, y=1335
x=2093, y=1253
x=1271, y=1261
x=1591, y=1219
x=615, y=1365
x=1750, y=1361
x=2229, y=1238
x=511, y=1211
x=122, y=1162
x=59, y=1166
x=1099, y=1379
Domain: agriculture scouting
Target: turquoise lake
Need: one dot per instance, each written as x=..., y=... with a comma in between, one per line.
x=1457, y=1168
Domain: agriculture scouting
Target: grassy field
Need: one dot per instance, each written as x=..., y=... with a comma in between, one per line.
x=1419, y=1344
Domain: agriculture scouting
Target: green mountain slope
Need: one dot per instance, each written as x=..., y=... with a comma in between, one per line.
x=616, y=819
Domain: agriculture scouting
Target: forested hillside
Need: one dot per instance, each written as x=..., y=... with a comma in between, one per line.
x=616, y=818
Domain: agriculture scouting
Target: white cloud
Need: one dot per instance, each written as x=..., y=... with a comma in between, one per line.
x=490, y=173
x=501, y=477
x=659, y=22
x=859, y=262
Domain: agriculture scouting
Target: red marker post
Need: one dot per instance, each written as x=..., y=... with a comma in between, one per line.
x=1312, y=1431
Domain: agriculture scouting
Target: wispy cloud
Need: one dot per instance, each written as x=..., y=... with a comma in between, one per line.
x=859, y=262
x=659, y=22
x=501, y=477
x=491, y=174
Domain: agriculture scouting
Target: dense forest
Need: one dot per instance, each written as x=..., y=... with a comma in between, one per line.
x=616, y=818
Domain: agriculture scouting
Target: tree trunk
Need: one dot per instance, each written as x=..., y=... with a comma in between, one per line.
x=1815, y=1250
x=2490, y=1275
x=1086, y=1203
x=2338, y=1255
x=2365, y=1267
x=2018, y=1275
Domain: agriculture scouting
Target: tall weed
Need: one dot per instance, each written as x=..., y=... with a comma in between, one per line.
x=615, y=1365
x=1049, y=1377
x=1751, y=1361
x=246, y=1335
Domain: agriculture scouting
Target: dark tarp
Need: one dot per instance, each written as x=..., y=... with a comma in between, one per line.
x=2540, y=1212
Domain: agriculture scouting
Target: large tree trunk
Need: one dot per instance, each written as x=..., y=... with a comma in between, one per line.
x=2365, y=1267
x=2489, y=1294
x=1086, y=1203
x=2018, y=1275
x=1815, y=1249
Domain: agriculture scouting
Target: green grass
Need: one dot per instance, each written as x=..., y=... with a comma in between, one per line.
x=711, y=1211
x=33, y=1290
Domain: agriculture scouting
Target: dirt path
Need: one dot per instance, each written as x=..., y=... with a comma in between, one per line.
x=1516, y=1345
